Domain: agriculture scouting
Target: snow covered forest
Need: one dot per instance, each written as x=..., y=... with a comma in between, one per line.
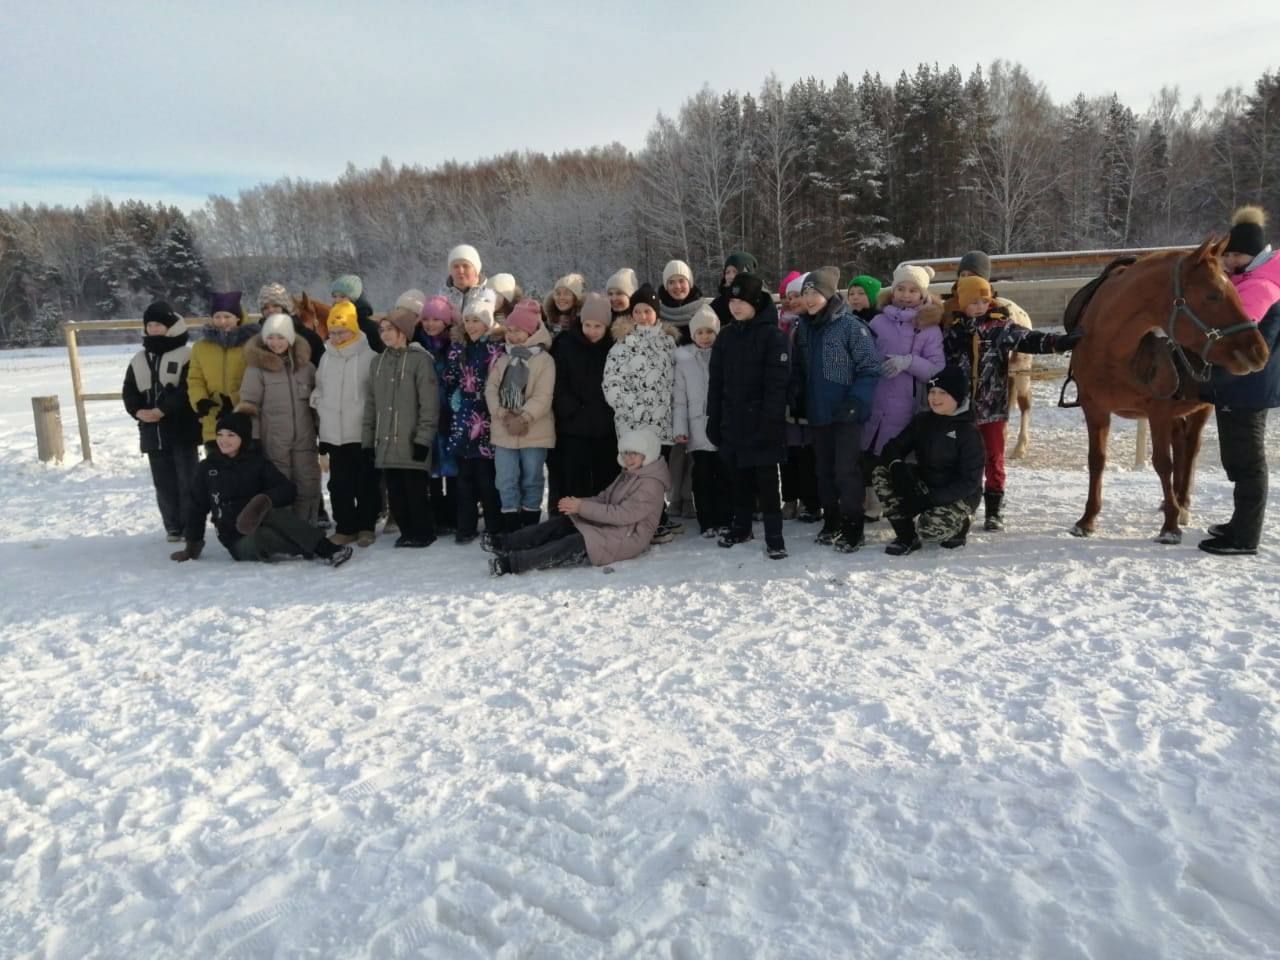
x=862, y=173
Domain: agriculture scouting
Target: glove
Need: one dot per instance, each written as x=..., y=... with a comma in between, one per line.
x=420, y=452
x=324, y=449
x=191, y=551
x=204, y=406
x=1066, y=342
x=254, y=512
x=516, y=425
x=894, y=364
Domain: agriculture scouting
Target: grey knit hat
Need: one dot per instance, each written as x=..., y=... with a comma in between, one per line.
x=825, y=280
x=976, y=262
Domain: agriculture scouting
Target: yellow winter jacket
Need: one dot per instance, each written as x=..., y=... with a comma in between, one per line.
x=217, y=367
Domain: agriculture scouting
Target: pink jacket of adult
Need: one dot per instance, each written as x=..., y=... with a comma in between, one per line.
x=1259, y=287
x=912, y=332
x=618, y=523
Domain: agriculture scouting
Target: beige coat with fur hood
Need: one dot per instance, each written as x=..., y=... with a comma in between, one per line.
x=536, y=416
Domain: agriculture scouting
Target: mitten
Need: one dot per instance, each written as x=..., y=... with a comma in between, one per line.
x=517, y=425
x=1066, y=342
x=204, y=406
x=420, y=452
x=191, y=551
x=254, y=512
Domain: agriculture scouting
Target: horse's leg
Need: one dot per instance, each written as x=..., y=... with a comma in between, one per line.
x=1021, y=386
x=1185, y=470
x=1162, y=447
x=1098, y=423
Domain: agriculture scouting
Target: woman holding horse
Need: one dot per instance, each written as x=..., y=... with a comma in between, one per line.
x=1241, y=403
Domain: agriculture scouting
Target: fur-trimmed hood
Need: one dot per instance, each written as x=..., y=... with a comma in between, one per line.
x=235, y=337
x=931, y=311
x=624, y=326
x=258, y=354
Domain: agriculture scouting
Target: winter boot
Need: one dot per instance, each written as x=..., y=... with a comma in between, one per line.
x=366, y=538
x=960, y=538
x=904, y=537
x=809, y=513
x=731, y=537
x=331, y=553
x=530, y=518
x=499, y=564
x=852, y=535
x=993, y=501
x=254, y=512
x=341, y=539
x=775, y=547
x=829, y=533
x=789, y=510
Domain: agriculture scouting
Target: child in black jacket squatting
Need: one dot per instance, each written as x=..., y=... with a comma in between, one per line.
x=155, y=394
x=933, y=499
x=747, y=410
x=247, y=498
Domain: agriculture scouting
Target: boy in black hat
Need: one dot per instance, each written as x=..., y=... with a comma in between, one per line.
x=934, y=498
x=245, y=494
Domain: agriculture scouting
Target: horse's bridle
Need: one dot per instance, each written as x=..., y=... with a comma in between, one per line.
x=1211, y=334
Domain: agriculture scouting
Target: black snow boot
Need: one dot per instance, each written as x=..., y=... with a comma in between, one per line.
x=995, y=520
x=775, y=548
x=905, y=540
x=852, y=535
x=960, y=539
x=530, y=518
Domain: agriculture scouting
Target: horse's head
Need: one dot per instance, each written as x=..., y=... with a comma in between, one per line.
x=313, y=313
x=1209, y=320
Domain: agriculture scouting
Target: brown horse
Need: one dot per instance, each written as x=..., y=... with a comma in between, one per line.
x=1151, y=330
x=314, y=314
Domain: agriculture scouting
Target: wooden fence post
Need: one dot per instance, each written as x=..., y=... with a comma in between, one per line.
x=48, y=419
x=77, y=387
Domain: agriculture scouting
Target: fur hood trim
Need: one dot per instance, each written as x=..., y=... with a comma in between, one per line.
x=235, y=337
x=257, y=354
x=624, y=326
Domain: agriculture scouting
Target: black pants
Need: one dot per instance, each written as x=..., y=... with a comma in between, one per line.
x=552, y=543
x=476, y=485
x=409, y=496
x=444, y=502
x=586, y=466
x=353, y=489
x=800, y=478
x=754, y=485
x=837, y=452
x=282, y=532
x=711, y=490
x=172, y=471
x=1242, y=440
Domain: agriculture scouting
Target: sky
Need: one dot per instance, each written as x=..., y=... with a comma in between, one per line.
x=172, y=102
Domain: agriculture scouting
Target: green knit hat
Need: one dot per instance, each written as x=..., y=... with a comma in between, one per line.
x=870, y=285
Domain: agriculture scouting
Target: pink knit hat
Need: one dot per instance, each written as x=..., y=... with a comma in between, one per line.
x=526, y=316
x=786, y=282
x=439, y=308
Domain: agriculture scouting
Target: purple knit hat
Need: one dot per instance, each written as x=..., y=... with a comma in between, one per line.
x=225, y=302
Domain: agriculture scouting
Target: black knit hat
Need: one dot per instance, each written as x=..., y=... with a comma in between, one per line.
x=976, y=262
x=161, y=312
x=1247, y=232
x=750, y=288
x=741, y=261
x=238, y=423
x=645, y=295
x=953, y=380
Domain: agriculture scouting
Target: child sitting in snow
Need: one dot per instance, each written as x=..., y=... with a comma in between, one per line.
x=247, y=497
x=616, y=524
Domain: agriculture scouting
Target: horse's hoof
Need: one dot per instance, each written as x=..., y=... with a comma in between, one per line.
x=1018, y=453
x=1184, y=517
x=1079, y=531
x=1169, y=536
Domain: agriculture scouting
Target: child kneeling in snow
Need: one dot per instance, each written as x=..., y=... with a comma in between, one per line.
x=934, y=498
x=247, y=496
x=616, y=524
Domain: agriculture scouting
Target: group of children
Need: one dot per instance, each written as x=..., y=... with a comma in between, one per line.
x=472, y=403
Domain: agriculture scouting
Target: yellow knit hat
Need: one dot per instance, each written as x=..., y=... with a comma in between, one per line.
x=342, y=316
x=972, y=289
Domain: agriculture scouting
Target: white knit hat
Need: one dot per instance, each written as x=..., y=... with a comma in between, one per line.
x=910, y=273
x=279, y=325
x=479, y=308
x=411, y=300
x=639, y=441
x=796, y=285
x=466, y=252
x=624, y=280
x=575, y=283
x=676, y=268
x=704, y=318
x=504, y=285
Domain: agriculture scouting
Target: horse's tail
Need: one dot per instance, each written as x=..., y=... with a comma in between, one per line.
x=1080, y=299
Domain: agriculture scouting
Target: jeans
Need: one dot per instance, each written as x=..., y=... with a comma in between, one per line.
x=519, y=477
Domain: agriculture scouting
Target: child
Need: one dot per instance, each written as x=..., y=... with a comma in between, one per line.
x=471, y=357
x=519, y=394
x=217, y=363
x=980, y=339
x=864, y=294
x=747, y=411
x=933, y=499
x=788, y=306
x=508, y=294
x=465, y=281
x=246, y=496
x=349, y=288
x=679, y=299
x=274, y=298
x=564, y=303
x=276, y=392
x=400, y=417
x=639, y=377
x=155, y=394
x=799, y=479
x=734, y=264
x=693, y=379
x=620, y=288
x=585, y=438
x=616, y=524
x=834, y=372
x=438, y=317
x=342, y=385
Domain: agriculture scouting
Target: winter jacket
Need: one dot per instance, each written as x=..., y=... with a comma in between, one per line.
x=678, y=313
x=157, y=379
x=619, y=522
x=538, y=396
x=982, y=347
x=639, y=377
x=693, y=379
x=314, y=340
x=466, y=373
x=276, y=392
x=400, y=412
x=1253, y=391
x=747, y=391
x=462, y=299
x=1259, y=286
x=217, y=367
x=949, y=455
x=364, y=320
x=904, y=331
x=342, y=385
x=443, y=463
x=834, y=368
x=223, y=486
x=580, y=407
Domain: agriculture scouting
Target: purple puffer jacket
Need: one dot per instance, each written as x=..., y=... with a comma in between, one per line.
x=908, y=331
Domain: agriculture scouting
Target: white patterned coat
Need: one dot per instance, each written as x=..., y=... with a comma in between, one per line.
x=639, y=378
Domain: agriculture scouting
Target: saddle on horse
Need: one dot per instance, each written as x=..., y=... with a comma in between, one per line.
x=1075, y=310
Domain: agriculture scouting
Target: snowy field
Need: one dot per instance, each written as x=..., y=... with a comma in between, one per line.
x=1034, y=747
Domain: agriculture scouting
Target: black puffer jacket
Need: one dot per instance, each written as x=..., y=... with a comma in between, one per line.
x=179, y=426
x=579, y=404
x=747, y=395
x=224, y=485
x=1253, y=391
x=949, y=455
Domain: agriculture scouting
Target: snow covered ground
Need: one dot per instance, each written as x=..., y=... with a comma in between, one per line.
x=1034, y=747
